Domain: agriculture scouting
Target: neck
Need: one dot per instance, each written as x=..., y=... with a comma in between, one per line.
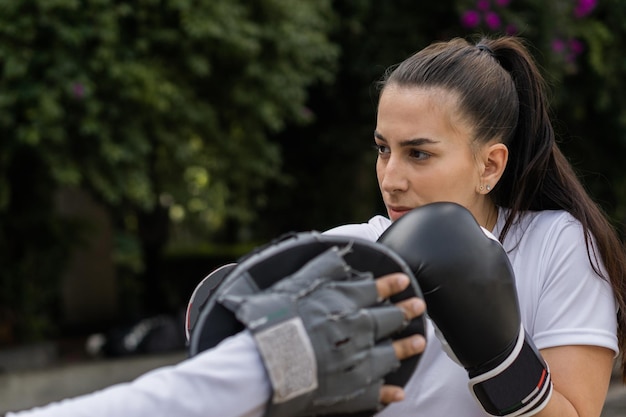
x=489, y=216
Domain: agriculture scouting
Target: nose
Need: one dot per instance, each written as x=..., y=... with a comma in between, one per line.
x=392, y=175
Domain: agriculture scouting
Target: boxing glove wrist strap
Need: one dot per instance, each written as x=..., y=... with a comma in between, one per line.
x=519, y=386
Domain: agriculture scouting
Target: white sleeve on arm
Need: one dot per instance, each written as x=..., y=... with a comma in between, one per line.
x=227, y=381
x=369, y=231
x=565, y=302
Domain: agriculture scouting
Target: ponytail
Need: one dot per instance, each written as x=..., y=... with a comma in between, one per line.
x=539, y=177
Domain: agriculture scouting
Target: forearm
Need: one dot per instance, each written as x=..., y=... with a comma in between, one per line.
x=228, y=381
x=558, y=406
x=581, y=377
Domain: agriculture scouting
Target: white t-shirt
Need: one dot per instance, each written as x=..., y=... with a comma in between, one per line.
x=562, y=302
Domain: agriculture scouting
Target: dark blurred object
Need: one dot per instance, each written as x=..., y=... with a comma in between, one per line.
x=155, y=334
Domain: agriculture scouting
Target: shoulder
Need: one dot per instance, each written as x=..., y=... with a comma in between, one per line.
x=555, y=229
x=554, y=221
x=545, y=220
x=551, y=242
x=562, y=298
x=370, y=230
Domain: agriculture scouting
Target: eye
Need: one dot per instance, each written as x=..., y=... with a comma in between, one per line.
x=381, y=149
x=419, y=155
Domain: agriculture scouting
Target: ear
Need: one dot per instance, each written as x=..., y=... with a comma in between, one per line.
x=494, y=159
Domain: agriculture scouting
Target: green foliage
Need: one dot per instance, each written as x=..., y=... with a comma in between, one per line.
x=238, y=121
x=149, y=105
x=121, y=98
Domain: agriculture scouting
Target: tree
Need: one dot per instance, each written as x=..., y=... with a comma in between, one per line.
x=233, y=121
x=157, y=108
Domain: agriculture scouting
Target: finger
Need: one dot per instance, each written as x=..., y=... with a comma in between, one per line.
x=362, y=293
x=383, y=360
x=387, y=320
x=391, y=284
x=412, y=307
x=409, y=346
x=391, y=394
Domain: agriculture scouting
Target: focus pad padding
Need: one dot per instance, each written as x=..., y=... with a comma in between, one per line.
x=269, y=263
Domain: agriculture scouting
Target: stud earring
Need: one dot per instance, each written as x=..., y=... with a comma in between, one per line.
x=488, y=187
x=481, y=187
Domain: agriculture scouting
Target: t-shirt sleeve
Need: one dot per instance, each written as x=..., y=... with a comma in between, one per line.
x=575, y=305
x=370, y=230
x=227, y=381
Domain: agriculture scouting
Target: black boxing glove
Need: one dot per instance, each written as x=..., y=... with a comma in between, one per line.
x=469, y=288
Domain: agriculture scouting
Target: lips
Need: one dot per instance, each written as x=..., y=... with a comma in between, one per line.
x=395, y=212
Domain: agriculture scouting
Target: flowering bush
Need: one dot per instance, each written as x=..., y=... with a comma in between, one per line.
x=562, y=29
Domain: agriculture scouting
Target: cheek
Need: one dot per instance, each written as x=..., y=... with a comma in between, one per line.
x=454, y=181
x=380, y=171
x=429, y=185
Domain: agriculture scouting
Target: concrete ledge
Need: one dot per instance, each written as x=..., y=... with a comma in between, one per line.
x=28, y=357
x=26, y=389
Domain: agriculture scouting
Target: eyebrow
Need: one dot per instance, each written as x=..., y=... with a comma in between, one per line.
x=408, y=142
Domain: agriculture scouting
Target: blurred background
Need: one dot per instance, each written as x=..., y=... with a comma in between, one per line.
x=144, y=143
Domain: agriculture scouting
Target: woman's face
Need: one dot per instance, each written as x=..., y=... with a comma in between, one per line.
x=425, y=152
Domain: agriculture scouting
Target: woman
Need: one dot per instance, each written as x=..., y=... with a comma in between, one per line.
x=469, y=124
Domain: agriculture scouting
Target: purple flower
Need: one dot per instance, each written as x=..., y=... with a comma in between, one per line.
x=78, y=90
x=510, y=29
x=558, y=45
x=503, y=3
x=470, y=19
x=492, y=20
x=584, y=7
x=482, y=5
x=576, y=46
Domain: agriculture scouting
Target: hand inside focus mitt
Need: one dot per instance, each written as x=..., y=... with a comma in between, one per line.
x=330, y=339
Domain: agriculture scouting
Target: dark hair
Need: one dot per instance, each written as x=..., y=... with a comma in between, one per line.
x=501, y=90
